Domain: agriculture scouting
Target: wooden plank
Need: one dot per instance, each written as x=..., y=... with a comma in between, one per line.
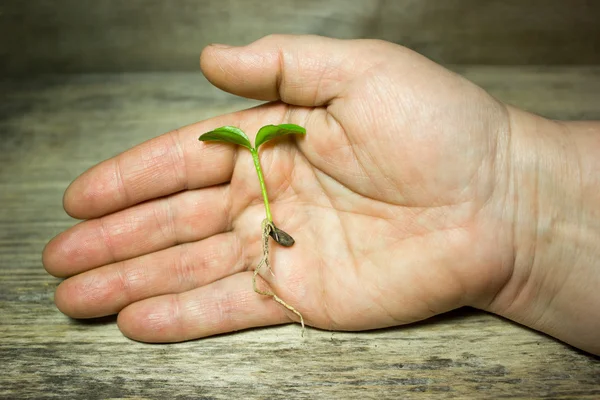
x=52, y=128
x=61, y=36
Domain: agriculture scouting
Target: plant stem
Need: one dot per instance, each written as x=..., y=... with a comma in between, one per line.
x=261, y=179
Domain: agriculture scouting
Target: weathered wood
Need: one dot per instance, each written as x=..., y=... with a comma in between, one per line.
x=167, y=35
x=52, y=128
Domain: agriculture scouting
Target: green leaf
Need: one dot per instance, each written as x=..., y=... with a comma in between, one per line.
x=229, y=134
x=269, y=132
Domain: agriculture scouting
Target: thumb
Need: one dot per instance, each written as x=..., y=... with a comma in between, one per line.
x=298, y=70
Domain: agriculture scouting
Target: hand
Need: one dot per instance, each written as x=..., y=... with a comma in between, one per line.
x=395, y=198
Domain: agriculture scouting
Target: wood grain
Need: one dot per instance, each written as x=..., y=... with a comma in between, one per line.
x=54, y=127
x=77, y=36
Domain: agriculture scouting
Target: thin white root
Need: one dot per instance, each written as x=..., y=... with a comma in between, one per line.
x=292, y=309
x=266, y=229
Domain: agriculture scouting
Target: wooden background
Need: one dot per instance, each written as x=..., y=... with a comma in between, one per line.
x=167, y=35
x=82, y=90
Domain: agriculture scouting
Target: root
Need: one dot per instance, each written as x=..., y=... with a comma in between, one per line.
x=266, y=230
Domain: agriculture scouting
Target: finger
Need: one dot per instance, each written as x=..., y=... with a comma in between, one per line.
x=106, y=290
x=159, y=167
x=223, y=306
x=146, y=228
x=299, y=70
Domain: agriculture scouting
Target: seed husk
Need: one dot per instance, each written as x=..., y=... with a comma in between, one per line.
x=281, y=237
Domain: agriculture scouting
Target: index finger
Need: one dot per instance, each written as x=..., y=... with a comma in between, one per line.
x=158, y=167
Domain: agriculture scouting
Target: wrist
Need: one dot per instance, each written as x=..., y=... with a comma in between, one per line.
x=552, y=194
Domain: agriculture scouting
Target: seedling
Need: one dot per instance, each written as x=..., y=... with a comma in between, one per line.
x=234, y=135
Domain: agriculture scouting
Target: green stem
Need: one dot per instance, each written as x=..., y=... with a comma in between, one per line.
x=261, y=179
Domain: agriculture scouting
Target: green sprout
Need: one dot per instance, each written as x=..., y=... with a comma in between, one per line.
x=231, y=134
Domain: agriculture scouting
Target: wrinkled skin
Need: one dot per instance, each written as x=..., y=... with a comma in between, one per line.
x=396, y=198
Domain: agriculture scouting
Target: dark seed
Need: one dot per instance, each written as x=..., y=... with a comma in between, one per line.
x=281, y=237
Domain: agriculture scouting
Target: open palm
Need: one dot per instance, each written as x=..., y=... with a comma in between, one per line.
x=394, y=197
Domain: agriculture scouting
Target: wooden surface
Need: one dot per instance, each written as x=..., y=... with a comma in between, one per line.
x=79, y=36
x=52, y=128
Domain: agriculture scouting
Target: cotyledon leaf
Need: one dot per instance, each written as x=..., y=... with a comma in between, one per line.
x=229, y=134
x=269, y=132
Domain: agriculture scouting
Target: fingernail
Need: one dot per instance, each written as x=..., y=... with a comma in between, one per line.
x=221, y=46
